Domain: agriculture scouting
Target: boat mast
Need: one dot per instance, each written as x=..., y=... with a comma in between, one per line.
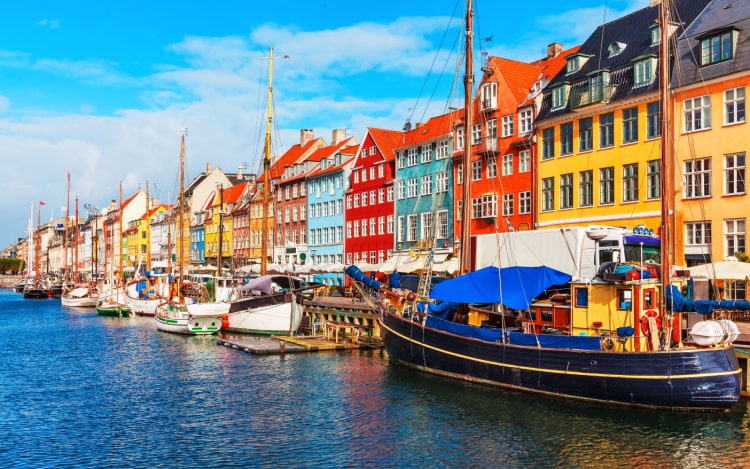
x=181, y=212
x=465, y=264
x=267, y=172
x=66, y=240
x=148, y=229
x=666, y=164
x=121, y=277
x=76, y=235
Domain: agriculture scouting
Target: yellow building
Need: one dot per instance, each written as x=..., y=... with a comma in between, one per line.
x=712, y=140
x=598, y=133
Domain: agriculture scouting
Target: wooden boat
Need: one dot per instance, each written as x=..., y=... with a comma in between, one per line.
x=111, y=306
x=80, y=297
x=620, y=342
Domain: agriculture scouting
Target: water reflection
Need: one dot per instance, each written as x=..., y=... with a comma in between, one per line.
x=81, y=390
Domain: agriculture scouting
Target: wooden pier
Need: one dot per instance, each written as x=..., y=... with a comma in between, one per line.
x=278, y=345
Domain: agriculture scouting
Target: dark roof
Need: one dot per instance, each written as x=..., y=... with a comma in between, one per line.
x=719, y=15
x=633, y=30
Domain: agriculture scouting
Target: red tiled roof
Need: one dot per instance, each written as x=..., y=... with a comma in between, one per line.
x=386, y=141
x=231, y=194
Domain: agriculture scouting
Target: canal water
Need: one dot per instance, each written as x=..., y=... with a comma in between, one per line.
x=81, y=390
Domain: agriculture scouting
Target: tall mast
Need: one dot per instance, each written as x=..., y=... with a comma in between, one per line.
x=666, y=163
x=66, y=241
x=181, y=212
x=76, y=232
x=267, y=172
x=466, y=180
x=119, y=237
x=148, y=229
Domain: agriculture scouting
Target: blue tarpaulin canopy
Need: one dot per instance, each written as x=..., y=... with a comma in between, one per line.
x=514, y=287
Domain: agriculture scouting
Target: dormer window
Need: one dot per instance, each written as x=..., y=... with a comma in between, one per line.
x=655, y=35
x=616, y=48
x=489, y=96
x=575, y=62
x=560, y=96
x=718, y=47
x=643, y=70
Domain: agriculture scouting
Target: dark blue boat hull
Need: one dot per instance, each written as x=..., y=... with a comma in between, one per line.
x=689, y=379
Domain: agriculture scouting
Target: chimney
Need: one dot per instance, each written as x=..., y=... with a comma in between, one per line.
x=305, y=135
x=155, y=202
x=420, y=124
x=208, y=167
x=338, y=136
x=553, y=50
x=239, y=172
x=654, y=2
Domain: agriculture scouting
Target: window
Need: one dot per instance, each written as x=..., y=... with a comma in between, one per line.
x=459, y=143
x=426, y=225
x=441, y=182
x=476, y=170
x=524, y=202
x=372, y=175
x=356, y=200
x=559, y=96
x=630, y=125
x=460, y=174
x=643, y=71
x=491, y=167
x=484, y=207
x=364, y=201
x=400, y=229
x=381, y=225
x=411, y=227
x=411, y=158
x=616, y=48
x=373, y=198
x=630, y=182
x=606, y=130
x=507, y=126
x=607, y=185
x=489, y=96
x=585, y=134
x=524, y=122
x=734, y=236
x=586, y=188
x=400, y=162
x=507, y=164
x=734, y=174
x=373, y=222
x=698, y=233
x=426, y=185
x=507, y=205
x=426, y=154
x=653, y=120
x=381, y=196
x=697, y=113
x=389, y=223
x=356, y=228
x=573, y=64
x=566, y=191
x=401, y=185
x=566, y=139
x=653, y=180
x=476, y=134
x=381, y=170
x=716, y=48
x=442, y=224
x=655, y=35
x=411, y=190
x=442, y=150
x=548, y=143
x=389, y=194
x=524, y=161
x=734, y=105
x=548, y=194
x=697, y=178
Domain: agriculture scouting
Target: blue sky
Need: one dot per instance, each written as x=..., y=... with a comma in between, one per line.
x=103, y=90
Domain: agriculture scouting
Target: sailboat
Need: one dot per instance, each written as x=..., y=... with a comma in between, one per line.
x=643, y=362
x=269, y=304
x=173, y=314
x=37, y=288
x=76, y=295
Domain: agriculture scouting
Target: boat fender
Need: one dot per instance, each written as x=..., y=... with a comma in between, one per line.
x=607, y=344
x=644, y=321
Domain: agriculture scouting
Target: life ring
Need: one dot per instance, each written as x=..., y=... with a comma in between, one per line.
x=607, y=344
x=644, y=321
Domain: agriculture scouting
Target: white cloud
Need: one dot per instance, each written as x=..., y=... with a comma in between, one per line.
x=4, y=104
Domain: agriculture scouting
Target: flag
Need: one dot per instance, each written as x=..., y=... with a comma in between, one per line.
x=41, y=203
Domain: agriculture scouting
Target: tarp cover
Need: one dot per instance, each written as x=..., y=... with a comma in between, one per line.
x=680, y=304
x=514, y=287
x=265, y=283
x=354, y=272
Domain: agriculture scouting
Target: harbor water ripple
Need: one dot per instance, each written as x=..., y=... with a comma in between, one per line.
x=82, y=390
